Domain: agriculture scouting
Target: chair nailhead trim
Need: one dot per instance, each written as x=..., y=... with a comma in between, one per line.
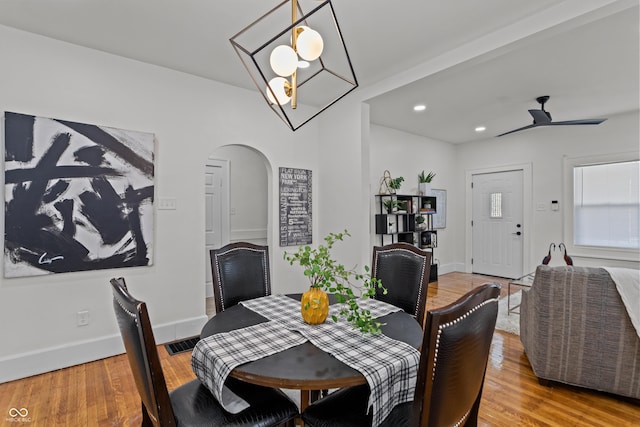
x=125, y=309
x=442, y=327
x=462, y=420
x=220, y=286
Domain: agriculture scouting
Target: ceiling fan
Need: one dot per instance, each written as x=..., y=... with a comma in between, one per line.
x=543, y=118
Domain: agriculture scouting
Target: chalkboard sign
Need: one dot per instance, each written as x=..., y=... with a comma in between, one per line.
x=295, y=207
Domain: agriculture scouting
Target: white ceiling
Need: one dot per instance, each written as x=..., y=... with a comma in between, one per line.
x=590, y=70
x=587, y=64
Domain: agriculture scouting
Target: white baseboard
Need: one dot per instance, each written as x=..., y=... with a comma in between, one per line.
x=208, y=290
x=50, y=359
x=257, y=236
x=450, y=268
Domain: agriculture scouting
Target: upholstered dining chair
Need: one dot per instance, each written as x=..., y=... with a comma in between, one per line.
x=404, y=271
x=453, y=362
x=190, y=404
x=240, y=271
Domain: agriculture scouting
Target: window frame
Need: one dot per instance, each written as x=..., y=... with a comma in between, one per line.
x=599, y=252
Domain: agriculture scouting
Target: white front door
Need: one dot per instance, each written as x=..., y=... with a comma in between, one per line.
x=216, y=213
x=497, y=224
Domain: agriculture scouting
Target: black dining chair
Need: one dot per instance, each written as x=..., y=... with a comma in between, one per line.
x=404, y=272
x=240, y=271
x=191, y=404
x=453, y=362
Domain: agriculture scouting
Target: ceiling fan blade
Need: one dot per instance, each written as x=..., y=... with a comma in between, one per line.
x=540, y=117
x=543, y=118
x=579, y=122
x=519, y=129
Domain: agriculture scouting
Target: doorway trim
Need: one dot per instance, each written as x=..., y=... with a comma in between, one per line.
x=527, y=213
x=224, y=216
x=224, y=197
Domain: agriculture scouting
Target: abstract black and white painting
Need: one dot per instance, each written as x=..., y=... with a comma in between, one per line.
x=78, y=197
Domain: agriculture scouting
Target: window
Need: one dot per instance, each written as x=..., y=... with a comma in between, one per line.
x=606, y=205
x=496, y=205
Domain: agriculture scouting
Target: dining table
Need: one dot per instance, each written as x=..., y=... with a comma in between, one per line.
x=308, y=362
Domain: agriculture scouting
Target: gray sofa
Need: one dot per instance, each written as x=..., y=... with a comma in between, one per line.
x=576, y=330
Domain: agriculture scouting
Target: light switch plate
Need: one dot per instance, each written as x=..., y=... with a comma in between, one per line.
x=167, y=203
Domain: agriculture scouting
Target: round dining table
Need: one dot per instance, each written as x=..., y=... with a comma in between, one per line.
x=304, y=367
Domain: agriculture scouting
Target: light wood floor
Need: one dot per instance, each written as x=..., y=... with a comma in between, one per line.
x=102, y=393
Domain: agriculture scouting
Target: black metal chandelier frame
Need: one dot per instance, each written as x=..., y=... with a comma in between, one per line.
x=254, y=60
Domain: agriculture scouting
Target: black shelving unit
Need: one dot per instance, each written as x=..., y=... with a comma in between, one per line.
x=397, y=221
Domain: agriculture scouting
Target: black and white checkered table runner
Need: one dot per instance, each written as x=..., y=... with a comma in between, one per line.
x=389, y=366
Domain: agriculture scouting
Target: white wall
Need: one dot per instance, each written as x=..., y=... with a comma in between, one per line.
x=190, y=117
x=343, y=194
x=544, y=149
x=404, y=154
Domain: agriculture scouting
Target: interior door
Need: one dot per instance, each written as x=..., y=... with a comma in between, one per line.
x=216, y=210
x=497, y=236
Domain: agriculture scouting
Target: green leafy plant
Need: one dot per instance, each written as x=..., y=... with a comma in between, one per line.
x=390, y=204
x=426, y=178
x=324, y=272
x=395, y=183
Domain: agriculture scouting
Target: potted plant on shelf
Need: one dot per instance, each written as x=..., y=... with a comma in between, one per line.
x=425, y=182
x=395, y=183
x=325, y=274
x=390, y=205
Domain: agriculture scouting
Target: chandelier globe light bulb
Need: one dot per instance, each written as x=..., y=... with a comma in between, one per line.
x=279, y=86
x=309, y=44
x=283, y=60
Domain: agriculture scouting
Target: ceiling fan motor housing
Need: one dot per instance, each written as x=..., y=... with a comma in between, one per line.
x=542, y=100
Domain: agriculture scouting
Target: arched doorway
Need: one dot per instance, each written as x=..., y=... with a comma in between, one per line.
x=237, y=199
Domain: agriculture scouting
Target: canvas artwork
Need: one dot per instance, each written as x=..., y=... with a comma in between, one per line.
x=78, y=197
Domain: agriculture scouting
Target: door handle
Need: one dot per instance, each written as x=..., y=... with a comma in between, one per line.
x=518, y=233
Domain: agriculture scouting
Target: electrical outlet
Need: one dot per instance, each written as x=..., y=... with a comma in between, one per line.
x=82, y=318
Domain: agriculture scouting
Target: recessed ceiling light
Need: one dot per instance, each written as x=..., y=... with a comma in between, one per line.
x=419, y=107
x=303, y=64
x=481, y=129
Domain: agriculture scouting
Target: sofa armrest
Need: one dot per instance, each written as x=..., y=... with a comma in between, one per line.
x=527, y=320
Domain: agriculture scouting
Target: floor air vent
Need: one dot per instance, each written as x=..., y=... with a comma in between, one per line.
x=181, y=346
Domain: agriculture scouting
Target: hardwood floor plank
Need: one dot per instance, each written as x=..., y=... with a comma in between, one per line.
x=103, y=393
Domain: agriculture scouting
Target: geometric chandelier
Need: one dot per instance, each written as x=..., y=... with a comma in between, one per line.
x=299, y=62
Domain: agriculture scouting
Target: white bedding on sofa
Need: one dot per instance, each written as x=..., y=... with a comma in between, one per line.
x=627, y=282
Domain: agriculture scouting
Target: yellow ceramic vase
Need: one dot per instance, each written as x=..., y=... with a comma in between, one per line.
x=314, y=306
